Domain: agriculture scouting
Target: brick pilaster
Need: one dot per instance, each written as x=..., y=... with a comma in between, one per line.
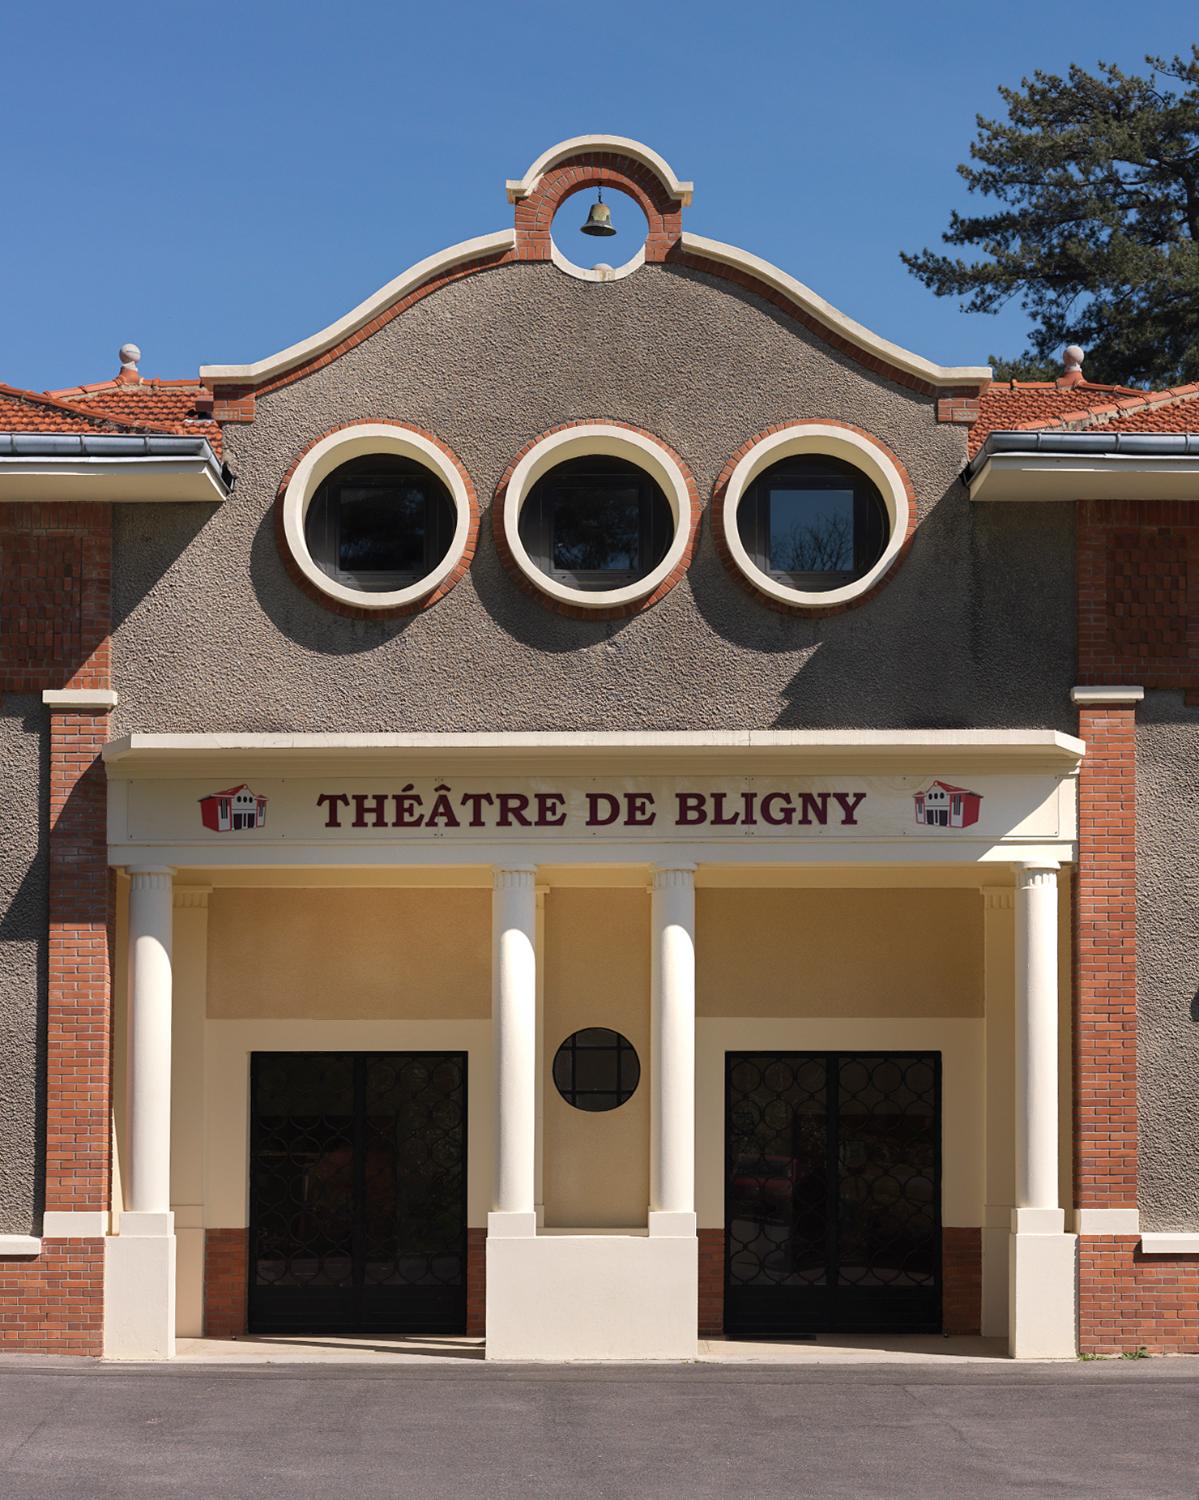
x=1105, y=990
x=79, y=1040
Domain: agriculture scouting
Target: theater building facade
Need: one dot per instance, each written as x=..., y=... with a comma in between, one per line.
x=598, y=806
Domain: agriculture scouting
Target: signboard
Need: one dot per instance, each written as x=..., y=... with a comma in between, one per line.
x=264, y=811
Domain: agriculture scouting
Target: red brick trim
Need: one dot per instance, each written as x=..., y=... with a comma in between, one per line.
x=811, y=612
x=535, y=213
x=961, y=1280
x=335, y=606
x=476, y=1282
x=1128, y=1301
x=241, y=399
x=53, y=1303
x=711, y=1283
x=576, y=611
x=962, y=410
x=226, y=1282
x=1105, y=990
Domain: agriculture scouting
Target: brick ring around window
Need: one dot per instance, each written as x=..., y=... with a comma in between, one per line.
x=859, y=456
x=383, y=440
x=605, y=441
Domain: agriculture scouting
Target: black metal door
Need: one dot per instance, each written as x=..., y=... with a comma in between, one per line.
x=833, y=1192
x=357, y=1192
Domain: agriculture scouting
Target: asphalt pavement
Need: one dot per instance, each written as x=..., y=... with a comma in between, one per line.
x=76, y=1430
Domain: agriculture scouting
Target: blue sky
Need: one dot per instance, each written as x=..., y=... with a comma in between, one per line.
x=215, y=182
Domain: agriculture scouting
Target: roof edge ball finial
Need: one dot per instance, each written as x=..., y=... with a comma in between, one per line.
x=1072, y=358
x=129, y=354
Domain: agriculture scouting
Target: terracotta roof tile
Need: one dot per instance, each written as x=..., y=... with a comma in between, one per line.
x=1012, y=406
x=180, y=406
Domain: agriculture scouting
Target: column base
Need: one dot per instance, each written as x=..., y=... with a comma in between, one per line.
x=511, y=1226
x=139, y=1289
x=664, y=1224
x=1042, y=1288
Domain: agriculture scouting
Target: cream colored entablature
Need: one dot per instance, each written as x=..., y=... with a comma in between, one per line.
x=617, y=799
x=676, y=750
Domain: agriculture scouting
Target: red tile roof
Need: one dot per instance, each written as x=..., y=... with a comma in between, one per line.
x=35, y=411
x=166, y=405
x=1028, y=407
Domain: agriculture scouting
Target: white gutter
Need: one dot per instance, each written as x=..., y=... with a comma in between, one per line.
x=1049, y=465
x=110, y=467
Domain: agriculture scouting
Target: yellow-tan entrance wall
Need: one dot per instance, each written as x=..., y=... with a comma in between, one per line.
x=857, y=967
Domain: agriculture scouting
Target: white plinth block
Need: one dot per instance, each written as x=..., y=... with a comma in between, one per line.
x=139, y=1289
x=592, y=1297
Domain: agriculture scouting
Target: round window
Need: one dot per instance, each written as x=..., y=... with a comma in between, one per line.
x=379, y=523
x=814, y=514
x=597, y=516
x=813, y=523
x=596, y=1069
x=596, y=524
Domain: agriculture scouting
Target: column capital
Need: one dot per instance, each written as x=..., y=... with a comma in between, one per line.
x=1111, y=696
x=1040, y=873
x=514, y=877
x=81, y=700
x=192, y=896
x=998, y=897
x=152, y=877
x=673, y=876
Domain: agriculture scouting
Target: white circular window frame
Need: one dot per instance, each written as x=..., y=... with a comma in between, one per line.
x=360, y=441
x=595, y=440
x=833, y=442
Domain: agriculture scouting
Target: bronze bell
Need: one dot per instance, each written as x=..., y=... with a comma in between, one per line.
x=599, y=220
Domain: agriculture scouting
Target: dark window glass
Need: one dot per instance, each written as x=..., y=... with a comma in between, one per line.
x=596, y=523
x=813, y=522
x=380, y=522
x=596, y=1069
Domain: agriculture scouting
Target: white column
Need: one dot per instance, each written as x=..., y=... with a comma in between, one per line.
x=150, y=900
x=672, y=1047
x=1036, y=1038
x=1042, y=1279
x=139, y=1271
x=514, y=1042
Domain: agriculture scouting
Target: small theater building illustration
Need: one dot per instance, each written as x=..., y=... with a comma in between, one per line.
x=945, y=806
x=642, y=947
x=236, y=808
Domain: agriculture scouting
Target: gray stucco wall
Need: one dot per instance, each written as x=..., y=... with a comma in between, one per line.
x=212, y=633
x=1168, y=961
x=23, y=918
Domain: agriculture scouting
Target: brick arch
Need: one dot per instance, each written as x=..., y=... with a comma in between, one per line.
x=535, y=213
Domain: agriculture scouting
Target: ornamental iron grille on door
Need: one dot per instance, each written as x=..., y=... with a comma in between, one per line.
x=832, y=1192
x=357, y=1192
